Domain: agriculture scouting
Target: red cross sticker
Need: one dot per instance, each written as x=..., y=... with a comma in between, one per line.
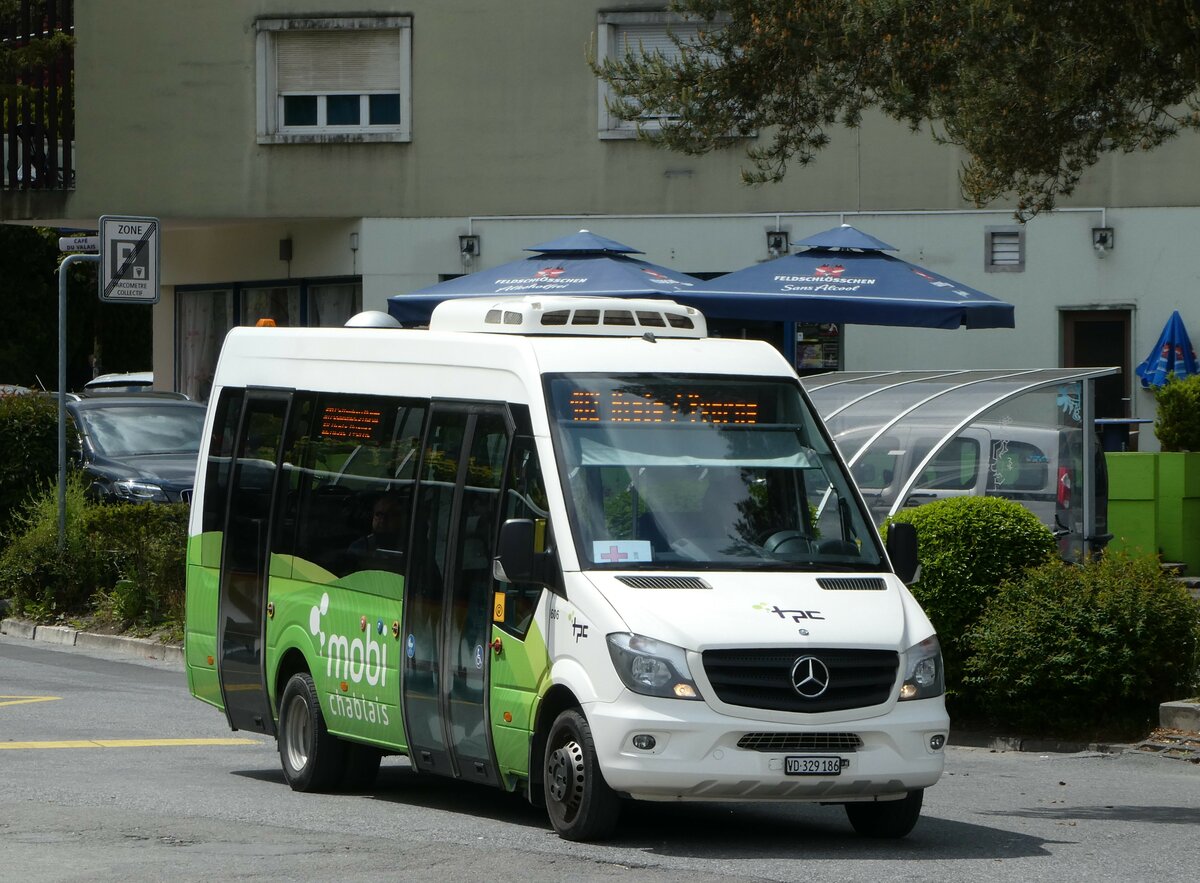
x=613, y=554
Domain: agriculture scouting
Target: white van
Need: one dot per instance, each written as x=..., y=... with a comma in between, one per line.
x=568, y=546
x=1036, y=466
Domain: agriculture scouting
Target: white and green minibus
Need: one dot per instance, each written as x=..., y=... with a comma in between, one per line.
x=570, y=546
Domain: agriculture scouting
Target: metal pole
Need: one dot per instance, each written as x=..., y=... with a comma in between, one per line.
x=62, y=390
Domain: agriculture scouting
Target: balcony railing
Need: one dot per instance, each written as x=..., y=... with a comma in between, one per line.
x=37, y=117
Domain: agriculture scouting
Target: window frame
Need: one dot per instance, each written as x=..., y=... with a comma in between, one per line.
x=994, y=260
x=270, y=100
x=608, y=27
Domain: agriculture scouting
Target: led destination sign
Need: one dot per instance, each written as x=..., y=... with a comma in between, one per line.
x=683, y=406
x=359, y=423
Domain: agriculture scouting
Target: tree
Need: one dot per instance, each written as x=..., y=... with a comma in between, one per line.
x=1034, y=91
x=119, y=335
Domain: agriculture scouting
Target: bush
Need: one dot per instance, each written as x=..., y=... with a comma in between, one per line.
x=29, y=440
x=44, y=582
x=142, y=549
x=967, y=547
x=1089, y=649
x=124, y=563
x=1177, y=425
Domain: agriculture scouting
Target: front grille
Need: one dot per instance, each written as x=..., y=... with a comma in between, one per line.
x=852, y=583
x=664, y=582
x=763, y=678
x=774, y=742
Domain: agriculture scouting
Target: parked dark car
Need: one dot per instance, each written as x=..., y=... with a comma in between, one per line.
x=139, y=448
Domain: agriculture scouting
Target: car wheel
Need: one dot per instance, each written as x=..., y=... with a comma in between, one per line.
x=886, y=819
x=312, y=757
x=579, y=802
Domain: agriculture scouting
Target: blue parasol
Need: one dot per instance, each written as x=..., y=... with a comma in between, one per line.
x=580, y=264
x=845, y=277
x=1172, y=356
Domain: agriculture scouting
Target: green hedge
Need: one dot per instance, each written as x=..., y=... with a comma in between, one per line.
x=121, y=563
x=1087, y=649
x=967, y=547
x=1177, y=425
x=29, y=440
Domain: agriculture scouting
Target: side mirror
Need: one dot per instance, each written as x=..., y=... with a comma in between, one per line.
x=902, y=549
x=514, y=563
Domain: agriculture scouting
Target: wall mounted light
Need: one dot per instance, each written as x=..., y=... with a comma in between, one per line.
x=777, y=242
x=1103, y=240
x=285, y=249
x=354, y=242
x=468, y=247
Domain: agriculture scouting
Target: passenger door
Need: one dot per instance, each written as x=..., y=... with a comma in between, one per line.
x=241, y=603
x=447, y=611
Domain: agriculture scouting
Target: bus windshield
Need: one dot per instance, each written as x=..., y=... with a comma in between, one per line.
x=693, y=472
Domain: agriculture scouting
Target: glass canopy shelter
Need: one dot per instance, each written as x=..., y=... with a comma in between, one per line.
x=911, y=437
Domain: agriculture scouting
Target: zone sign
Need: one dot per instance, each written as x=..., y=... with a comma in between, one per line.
x=129, y=259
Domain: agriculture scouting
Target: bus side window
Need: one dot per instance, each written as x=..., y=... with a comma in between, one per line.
x=524, y=497
x=218, y=468
x=346, y=478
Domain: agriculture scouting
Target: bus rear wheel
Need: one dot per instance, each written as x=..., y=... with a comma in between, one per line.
x=579, y=802
x=312, y=757
x=886, y=819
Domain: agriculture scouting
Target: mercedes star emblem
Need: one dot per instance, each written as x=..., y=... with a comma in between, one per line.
x=810, y=677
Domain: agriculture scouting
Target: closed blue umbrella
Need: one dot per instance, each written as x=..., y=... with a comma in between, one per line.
x=1172, y=356
x=843, y=276
x=580, y=264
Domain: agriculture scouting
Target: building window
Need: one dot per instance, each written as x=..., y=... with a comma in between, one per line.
x=641, y=33
x=334, y=80
x=1004, y=250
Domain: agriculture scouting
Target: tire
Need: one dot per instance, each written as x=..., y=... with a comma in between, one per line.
x=362, y=766
x=579, y=802
x=312, y=758
x=886, y=819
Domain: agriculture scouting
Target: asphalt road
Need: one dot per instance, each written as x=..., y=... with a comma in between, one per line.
x=110, y=770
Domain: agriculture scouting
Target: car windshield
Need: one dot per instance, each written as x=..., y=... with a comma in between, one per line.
x=130, y=430
x=685, y=472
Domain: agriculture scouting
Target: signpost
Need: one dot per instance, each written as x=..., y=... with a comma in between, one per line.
x=78, y=243
x=129, y=259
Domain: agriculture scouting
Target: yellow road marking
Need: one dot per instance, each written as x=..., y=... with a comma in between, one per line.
x=125, y=743
x=25, y=700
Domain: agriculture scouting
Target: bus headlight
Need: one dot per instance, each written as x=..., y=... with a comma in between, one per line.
x=923, y=677
x=652, y=668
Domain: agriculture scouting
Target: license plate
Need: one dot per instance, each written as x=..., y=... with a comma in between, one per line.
x=812, y=765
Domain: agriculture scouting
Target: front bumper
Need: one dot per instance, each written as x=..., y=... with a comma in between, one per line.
x=696, y=754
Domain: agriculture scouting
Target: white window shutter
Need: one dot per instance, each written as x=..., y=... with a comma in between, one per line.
x=339, y=61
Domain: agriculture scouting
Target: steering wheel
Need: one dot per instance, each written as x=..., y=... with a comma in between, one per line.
x=787, y=542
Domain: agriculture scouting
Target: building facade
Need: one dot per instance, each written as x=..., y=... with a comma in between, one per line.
x=311, y=160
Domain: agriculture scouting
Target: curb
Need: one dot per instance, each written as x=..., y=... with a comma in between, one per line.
x=63, y=636
x=1037, y=746
x=1180, y=716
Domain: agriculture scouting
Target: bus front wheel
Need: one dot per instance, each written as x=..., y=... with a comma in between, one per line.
x=886, y=818
x=579, y=802
x=312, y=757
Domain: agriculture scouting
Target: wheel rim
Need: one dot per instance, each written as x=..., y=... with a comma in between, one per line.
x=296, y=733
x=565, y=778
